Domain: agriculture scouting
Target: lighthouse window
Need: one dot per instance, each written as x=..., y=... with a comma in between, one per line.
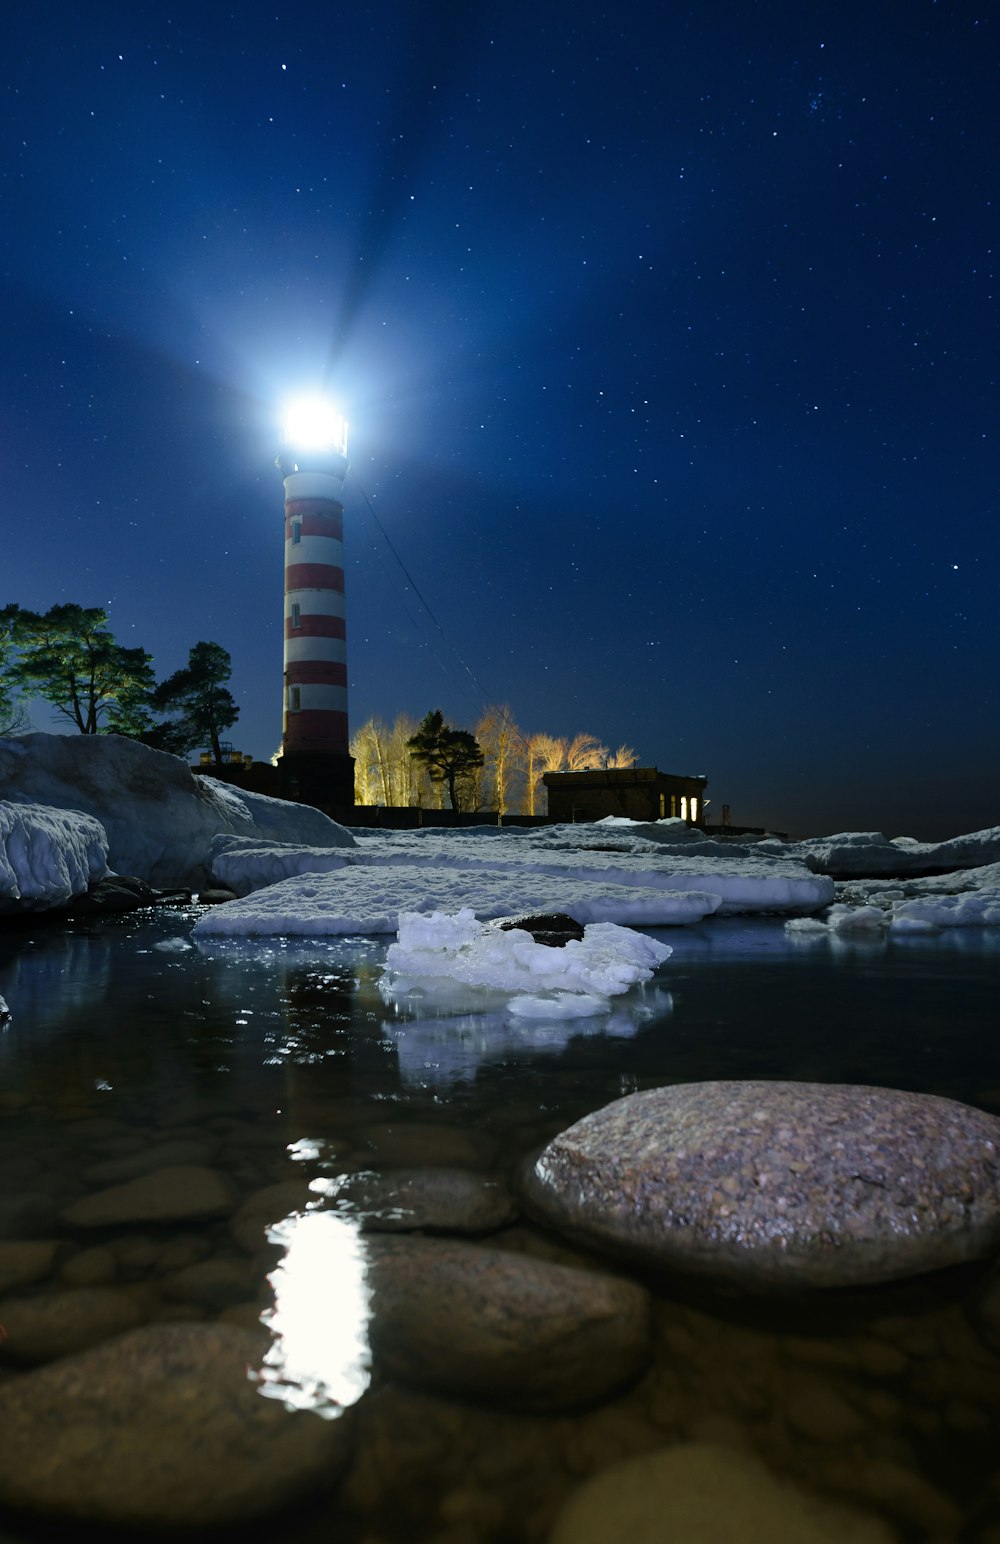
x=296, y=532
x=295, y=698
x=296, y=620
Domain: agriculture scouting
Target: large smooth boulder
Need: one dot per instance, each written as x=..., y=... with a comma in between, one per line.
x=159, y=1428
x=778, y=1184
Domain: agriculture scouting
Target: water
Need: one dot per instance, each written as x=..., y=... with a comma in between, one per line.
x=281, y=1062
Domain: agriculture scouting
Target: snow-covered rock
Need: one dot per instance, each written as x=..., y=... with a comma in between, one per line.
x=47, y=856
x=159, y=817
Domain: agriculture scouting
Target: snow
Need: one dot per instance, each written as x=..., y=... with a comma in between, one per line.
x=47, y=856
x=978, y=909
x=244, y=864
x=363, y=899
x=971, y=907
x=159, y=817
x=606, y=961
x=595, y=873
x=870, y=854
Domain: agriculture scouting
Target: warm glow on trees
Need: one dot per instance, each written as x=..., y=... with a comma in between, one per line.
x=508, y=778
x=384, y=772
x=501, y=742
x=583, y=753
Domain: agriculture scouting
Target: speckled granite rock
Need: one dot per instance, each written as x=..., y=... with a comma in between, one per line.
x=400, y=1200
x=160, y=1428
x=54, y=1324
x=182, y=1190
x=501, y=1327
x=778, y=1184
x=703, y=1493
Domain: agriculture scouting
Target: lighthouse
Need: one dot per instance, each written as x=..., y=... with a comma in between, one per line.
x=315, y=765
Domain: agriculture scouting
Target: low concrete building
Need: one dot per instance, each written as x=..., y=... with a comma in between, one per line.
x=640, y=793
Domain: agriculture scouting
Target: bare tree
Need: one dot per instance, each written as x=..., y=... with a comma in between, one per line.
x=584, y=752
x=623, y=757
x=542, y=753
x=501, y=743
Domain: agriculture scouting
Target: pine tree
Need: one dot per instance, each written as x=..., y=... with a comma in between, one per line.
x=206, y=705
x=69, y=656
x=448, y=754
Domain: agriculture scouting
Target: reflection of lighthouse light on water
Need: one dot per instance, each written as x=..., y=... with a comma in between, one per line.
x=319, y=1358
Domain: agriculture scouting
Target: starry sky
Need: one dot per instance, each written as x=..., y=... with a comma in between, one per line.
x=666, y=332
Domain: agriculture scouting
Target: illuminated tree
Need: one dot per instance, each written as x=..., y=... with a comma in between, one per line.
x=623, y=757
x=502, y=744
x=69, y=656
x=542, y=753
x=384, y=772
x=583, y=753
x=449, y=755
x=12, y=715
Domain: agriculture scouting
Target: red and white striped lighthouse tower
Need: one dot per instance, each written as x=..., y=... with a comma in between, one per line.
x=315, y=765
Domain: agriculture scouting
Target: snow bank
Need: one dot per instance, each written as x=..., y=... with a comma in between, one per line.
x=244, y=864
x=159, y=817
x=870, y=854
x=369, y=899
x=744, y=880
x=47, y=856
x=606, y=961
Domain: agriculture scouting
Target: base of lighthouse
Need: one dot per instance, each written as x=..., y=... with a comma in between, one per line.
x=324, y=780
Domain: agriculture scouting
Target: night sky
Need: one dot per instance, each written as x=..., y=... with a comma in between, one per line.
x=666, y=332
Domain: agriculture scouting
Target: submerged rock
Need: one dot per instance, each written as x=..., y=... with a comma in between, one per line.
x=503, y=1328
x=54, y=1324
x=401, y=1200
x=778, y=1184
x=25, y=1261
x=159, y=1428
x=703, y=1493
x=166, y=1195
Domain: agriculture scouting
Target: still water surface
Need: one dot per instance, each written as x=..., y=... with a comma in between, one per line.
x=286, y=1058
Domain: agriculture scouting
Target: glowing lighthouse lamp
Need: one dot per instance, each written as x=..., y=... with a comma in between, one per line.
x=315, y=763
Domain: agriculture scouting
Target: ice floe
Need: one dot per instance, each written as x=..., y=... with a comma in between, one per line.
x=606, y=961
